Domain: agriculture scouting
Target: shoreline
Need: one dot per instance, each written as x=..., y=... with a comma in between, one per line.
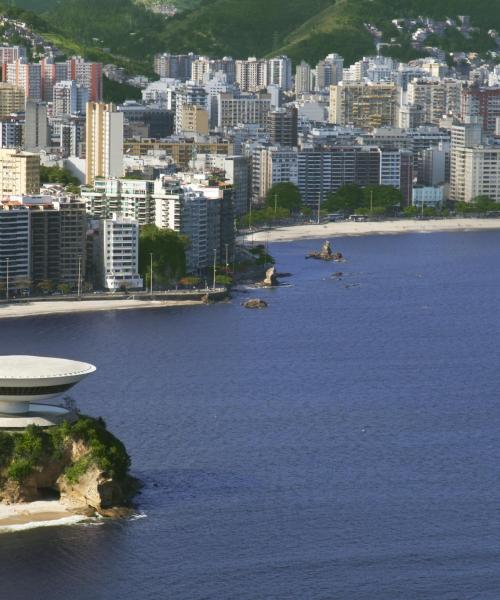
x=348, y=228
x=43, y=513
x=36, y=309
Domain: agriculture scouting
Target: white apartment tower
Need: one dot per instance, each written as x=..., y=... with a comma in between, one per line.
x=119, y=238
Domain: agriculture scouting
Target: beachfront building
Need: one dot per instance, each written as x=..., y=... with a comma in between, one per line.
x=119, y=251
x=428, y=196
x=14, y=247
x=184, y=210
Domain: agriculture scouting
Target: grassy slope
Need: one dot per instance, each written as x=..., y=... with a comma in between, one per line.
x=239, y=28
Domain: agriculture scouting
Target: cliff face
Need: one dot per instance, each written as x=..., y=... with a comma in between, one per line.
x=82, y=463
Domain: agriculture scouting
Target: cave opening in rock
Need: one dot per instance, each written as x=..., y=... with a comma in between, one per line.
x=48, y=493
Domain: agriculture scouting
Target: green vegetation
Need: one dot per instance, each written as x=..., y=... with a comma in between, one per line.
x=262, y=257
x=263, y=216
x=225, y=280
x=113, y=91
x=480, y=204
x=21, y=453
x=373, y=199
x=57, y=175
x=127, y=33
x=169, y=255
x=284, y=195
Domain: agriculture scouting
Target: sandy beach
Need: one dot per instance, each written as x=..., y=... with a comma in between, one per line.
x=17, y=517
x=348, y=228
x=33, y=309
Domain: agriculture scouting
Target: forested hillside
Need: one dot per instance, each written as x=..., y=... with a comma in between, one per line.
x=307, y=29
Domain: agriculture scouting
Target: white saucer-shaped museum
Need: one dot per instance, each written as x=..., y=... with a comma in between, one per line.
x=28, y=382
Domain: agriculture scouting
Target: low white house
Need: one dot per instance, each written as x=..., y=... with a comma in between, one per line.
x=429, y=196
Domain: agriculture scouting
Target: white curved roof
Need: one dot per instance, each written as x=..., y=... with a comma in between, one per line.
x=41, y=367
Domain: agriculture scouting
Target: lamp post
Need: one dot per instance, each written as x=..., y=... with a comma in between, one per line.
x=7, y=280
x=215, y=265
x=319, y=207
x=227, y=257
x=79, y=276
x=151, y=272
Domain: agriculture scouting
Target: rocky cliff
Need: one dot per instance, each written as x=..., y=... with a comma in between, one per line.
x=82, y=463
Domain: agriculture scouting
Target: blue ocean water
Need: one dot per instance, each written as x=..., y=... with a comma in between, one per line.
x=342, y=444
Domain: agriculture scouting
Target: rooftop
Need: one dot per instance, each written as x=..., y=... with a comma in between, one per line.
x=41, y=367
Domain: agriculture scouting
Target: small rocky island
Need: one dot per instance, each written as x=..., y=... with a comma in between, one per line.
x=326, y=253
x=255, y=303
x=49, y=451
x=271, y=279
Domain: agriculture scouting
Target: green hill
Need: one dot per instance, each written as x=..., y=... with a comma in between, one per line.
x=126, y=31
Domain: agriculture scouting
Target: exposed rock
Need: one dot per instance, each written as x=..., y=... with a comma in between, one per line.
x=326, y=253
x=326, y=250
x=71, y=470
x=271, y=277
x=255, y=303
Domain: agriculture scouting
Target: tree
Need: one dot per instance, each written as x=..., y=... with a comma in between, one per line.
x=45, y=286
x=382, y=196
x=484, y=203
x=58, y=175
x=284, y=195
x=348, y=198
x=64, y=288
x=169, y=254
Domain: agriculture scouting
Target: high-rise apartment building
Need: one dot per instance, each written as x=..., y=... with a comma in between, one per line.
x=69, y=98
x=188, y=95
x=27, y=76
x=14, y=245
x=9, y=54
x=36, y=130
x=131, y=198
x=87, y=74
x=104, y=141
x=282, y=126
x=19, y=172
x=276, y=165
x=12, y=99
x=252, y=75
x=364, y=105
x=181, y=209
x=174, y=66
x=302, y=78
x=329, y=71
x=475, y=166
x=11, y=131
x=482, y=104
x=194, y=119
x=119, y=243
x=236, y=110
x=280, y=72
x=435, y=98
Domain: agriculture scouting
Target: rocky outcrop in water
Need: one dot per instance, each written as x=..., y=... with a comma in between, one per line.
x=255, y=303
x=271, y=278
x=82, y=463
x=326, y=253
